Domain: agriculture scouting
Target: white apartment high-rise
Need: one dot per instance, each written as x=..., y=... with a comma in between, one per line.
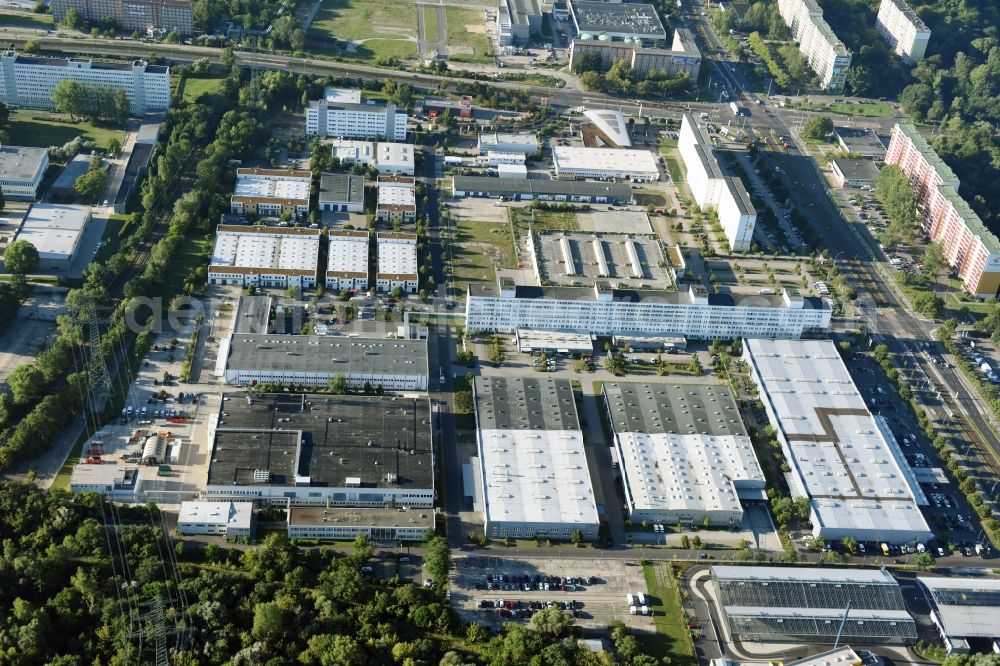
x=712, y=189
x=28, y=80
x=826, y=55
x=900, y=26
x=600, y=310
x=356, y=121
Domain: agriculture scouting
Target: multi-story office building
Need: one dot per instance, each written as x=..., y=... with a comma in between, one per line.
x=22, y=170
x=347, y=261
x=265, y=256
x=531, y=474
x=355, y=121
x=323, y=450
x=604, y=311
x=397, y=262
x=842, y=458
x=28, y=80
x=712, y=189
x=271, y=192
x=971, y=249
x=806, y=605
x=683, y=57
x=602, y=163
x=313, y=360
x=132, y=14
x=684, y=453
x=900, y=26
x=826, y=55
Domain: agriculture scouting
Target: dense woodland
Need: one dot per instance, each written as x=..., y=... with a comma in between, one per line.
x=67, y=582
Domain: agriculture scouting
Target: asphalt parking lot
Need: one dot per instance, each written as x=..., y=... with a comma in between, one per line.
x=596, y=603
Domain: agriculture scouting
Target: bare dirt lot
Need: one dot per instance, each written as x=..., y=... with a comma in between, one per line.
x=620, y=221
x=29, y=334
x=597, y=604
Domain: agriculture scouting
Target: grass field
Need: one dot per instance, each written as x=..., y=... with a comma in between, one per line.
x=42, y=129
x=544, y=220
x=668, y=616
x=479, y=247
x=873, y=110
x=666, y=149
x=195, y=88
x=459, y=34
x=431, y=30
x=387, y=28
x=39, y=21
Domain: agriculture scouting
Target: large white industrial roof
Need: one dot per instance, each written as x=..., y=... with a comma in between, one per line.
x=537, y=476
x=348, y=253
x=54, y=229
x=833, y=615
x=397, y=254
x=578, y=158
x=231, y=514
x=966, y=607
x=845, y=458
x=260, y=186
x=395, y=155
x=396, y=195
x=612, y=123
x=283, y=249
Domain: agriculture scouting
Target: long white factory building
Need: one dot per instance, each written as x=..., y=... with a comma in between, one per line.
x=684, y=453
x=638, y=166
x=601, y=310
x=844, y=459
x=531, y=476
x=712, y=189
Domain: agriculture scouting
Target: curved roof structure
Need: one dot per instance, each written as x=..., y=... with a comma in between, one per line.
x=612, y=124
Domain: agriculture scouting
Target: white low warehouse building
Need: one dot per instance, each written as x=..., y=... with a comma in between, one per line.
x=607, y=163
x=265, y=256
x=347, y=261
x=533, y=476
x=526, y=144
x=842, y=458
x=397, y=262
x=385, y=526
x=228, y=519
x=684, y=453
x=395, y=158
x=55, y=230
x=21, y=171
x=109, y=479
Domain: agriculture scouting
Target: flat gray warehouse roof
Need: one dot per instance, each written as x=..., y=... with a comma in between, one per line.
x=673, y=408
x=342, y=188
x=272, y=439
x=19, y=163
x=624, y=19
x=534, y=186
x=333, y=354
x=525, y=404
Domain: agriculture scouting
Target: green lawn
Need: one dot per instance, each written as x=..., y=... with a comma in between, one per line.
x=42, y=129
x=477, y=249
x=190, y=254
x=668, y=616
x=195, y=88
x=873, y=109
x=39, y=21
x=666, y=149
x=466, y=27
x=387, y=28
x=431, y=30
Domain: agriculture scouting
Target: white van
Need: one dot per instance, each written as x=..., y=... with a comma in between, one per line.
x=632, y=610
x=645, y=610
x=640, y=599
x=630, y=599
